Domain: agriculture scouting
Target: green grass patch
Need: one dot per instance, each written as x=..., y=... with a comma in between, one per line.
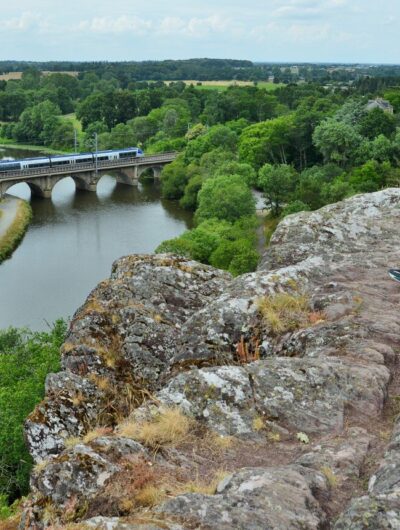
x=220, y=86
x=74, y=120
x=10, y=144
x=10, y=240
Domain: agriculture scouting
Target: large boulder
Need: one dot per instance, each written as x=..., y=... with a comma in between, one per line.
x=169, y=332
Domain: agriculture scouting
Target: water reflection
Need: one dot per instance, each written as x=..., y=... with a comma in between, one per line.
x=73, y=240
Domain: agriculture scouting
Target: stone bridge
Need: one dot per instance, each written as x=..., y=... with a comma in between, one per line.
x=86, y=176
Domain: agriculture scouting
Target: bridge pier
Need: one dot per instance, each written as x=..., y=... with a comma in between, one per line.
x=41, y=187
x=128, y=176
x=86, y=181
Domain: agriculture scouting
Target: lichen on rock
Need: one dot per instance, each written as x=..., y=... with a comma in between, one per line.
x=309, y=400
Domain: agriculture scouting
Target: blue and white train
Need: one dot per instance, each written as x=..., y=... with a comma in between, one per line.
x=64, y=160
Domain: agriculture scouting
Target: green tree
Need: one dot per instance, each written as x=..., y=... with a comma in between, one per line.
x=377, y=122
x=278, y=183
x=225, y=197
x=174, y=179
x=218, y=136
x=189, y=201
x=337, y=141
x=268, y=142
x=233, y=167
x=369, y=177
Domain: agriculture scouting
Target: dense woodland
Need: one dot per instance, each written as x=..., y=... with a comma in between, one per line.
x=303, y=144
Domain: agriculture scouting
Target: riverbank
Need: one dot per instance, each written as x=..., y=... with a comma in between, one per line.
x=15, y=215
x=4, y=143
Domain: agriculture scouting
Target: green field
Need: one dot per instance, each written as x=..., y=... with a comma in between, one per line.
x=223, y=85
x=74, y=120
x=10, y=144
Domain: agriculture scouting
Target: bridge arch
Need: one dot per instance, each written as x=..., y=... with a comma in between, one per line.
x=22, y=190
x=156, y=170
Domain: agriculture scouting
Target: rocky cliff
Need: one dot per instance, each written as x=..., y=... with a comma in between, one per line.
x=189, y=399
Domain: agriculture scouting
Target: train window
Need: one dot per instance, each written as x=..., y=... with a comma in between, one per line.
x=102, y=157
x=84, y=160
x=10, y=167
x=126, y=155
x=60, y=162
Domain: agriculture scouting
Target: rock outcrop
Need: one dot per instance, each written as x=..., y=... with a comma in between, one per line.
x=288, y=376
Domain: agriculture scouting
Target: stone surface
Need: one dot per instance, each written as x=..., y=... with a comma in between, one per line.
x=168, y=331
x=298, y=394
x=251, y=499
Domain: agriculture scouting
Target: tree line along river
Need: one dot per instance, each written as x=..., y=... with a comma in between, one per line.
x=72, y=241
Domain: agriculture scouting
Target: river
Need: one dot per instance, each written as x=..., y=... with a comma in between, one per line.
x=73, y=240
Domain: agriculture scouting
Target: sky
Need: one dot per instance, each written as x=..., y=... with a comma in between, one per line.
x=259, y=30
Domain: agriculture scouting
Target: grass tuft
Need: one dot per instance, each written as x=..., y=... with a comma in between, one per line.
x=284, y=312
x=170, y=427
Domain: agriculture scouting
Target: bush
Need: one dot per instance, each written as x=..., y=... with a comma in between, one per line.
x=295, y=207
x=174, y=179
x=219, y=243
x=25, y=360
x=225, y=197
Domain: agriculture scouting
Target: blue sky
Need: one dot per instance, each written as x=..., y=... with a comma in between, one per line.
x=268, y=30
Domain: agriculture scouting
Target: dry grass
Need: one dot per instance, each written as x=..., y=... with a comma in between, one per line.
x=150, y=495
x=330, y=476
x=103, y=383
x=169, y=427
x=92, y=306
x=258, y=424
x=40, y=466
x=274, y=437
x=15, y=76
x=71, y=442
x=96, y=433
x=201, y=486
x=78, y=399
x=219, y=442
x=283, y=312
x=140, y=485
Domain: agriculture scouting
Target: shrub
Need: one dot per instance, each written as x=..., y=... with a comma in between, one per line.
x=25, y=360
x=295, y=207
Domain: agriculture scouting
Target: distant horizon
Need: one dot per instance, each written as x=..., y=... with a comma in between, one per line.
x=255, y=62
x=290, y=31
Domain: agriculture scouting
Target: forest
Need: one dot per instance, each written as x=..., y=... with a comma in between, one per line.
x=303, y=145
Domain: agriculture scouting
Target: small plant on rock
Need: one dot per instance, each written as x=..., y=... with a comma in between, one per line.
x=169, y=427
x=284, y=312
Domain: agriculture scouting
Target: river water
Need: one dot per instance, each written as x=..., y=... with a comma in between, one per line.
x=73, y=240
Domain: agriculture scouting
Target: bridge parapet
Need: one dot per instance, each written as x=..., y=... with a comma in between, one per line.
x=86, y=176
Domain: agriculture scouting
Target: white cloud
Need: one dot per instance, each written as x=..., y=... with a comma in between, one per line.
x=171, y=26
x=24, y=22
x=309, y=9
x=121, y=24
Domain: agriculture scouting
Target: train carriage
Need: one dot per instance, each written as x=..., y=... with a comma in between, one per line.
x=65, y=160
